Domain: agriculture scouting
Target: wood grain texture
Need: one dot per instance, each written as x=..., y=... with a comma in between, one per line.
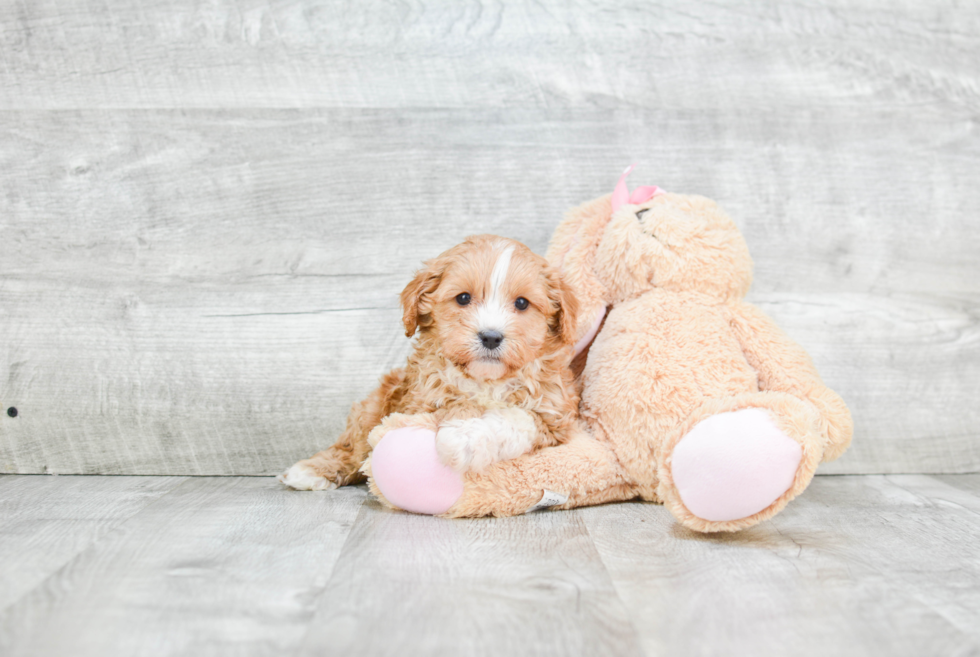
x=216, y=567
x=441, y=53
x=207, y=209
x=531, y=585
x=47, y=522
x=855, y=566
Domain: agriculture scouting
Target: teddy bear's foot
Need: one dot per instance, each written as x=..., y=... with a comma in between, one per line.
x=405, y=468
x=733, y=465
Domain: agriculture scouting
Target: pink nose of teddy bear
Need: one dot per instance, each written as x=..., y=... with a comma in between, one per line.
x=407, y=470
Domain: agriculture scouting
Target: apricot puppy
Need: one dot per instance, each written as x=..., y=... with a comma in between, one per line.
x=489, y=371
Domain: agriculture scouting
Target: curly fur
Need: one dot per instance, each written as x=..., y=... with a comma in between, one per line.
x=449, y=379
x=677, y=345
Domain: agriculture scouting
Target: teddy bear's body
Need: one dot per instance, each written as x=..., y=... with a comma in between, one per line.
x=641, y=381
x=689, y=395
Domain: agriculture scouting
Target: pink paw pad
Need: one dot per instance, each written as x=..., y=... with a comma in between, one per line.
x=407, y=470
x=733, y=465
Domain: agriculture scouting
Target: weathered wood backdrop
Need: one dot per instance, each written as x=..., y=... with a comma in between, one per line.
x=207, y=209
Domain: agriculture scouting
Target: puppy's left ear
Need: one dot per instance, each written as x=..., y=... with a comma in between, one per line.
x=562, y=321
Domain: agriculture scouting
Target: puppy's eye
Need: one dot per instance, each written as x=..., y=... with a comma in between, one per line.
x=521, y=303
x=463, y=299
x=639, y=215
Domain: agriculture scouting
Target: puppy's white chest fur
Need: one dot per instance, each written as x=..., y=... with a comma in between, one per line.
x=488, y=394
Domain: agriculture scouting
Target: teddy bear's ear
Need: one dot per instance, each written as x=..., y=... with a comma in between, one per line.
x=415, y=311
x=562, y=323
x=578, y=234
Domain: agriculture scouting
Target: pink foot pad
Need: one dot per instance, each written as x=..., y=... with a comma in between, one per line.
x=733, y=465
x=407, y=470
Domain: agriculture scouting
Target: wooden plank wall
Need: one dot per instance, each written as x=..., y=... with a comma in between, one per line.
x=207, y=209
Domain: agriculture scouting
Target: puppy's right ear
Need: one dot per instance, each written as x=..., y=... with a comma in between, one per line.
x=415, y=302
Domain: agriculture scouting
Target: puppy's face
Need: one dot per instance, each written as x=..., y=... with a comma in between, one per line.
x=491, y=306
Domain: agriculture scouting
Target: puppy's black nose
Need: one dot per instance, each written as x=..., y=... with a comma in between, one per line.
x=491, y=339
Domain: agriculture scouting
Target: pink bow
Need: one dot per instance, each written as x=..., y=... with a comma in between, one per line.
x=621, y=195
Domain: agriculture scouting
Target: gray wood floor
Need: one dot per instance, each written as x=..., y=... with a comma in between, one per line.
x=239, y=566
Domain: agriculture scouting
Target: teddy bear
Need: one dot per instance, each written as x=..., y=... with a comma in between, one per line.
x=690, y=396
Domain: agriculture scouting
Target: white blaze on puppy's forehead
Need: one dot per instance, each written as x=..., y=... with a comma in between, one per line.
x=499, y=276
x=492, y=313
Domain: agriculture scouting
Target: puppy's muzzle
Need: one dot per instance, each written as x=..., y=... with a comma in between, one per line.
x=490, y=339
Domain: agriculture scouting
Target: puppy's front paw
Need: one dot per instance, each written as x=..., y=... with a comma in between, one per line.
x=303, y=476
x=474, y=444
x=456, y=445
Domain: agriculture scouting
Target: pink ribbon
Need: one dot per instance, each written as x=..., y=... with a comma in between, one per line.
x=621, y=195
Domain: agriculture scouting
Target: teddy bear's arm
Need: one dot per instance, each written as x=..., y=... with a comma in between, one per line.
x=784, y=366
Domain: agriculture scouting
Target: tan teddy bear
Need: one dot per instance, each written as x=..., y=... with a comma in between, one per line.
x=690, y=396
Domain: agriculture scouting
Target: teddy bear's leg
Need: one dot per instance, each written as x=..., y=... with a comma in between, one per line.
x=738, y=461
x=415, y=460
x=404, y=470
x=580, y=472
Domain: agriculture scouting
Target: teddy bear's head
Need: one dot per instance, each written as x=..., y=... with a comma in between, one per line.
x=673, y=242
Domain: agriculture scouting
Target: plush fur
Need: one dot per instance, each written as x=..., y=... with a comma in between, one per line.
x=485, y=404
x=678, y=345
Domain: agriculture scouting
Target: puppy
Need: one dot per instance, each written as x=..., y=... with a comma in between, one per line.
x=488, y=373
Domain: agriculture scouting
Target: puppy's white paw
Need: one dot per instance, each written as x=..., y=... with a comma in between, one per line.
x=456, y=443
x=476, y=443
x=302, y=476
